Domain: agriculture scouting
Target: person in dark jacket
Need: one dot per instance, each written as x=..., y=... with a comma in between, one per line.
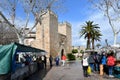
x=50, y=60
x=57, y=59
x=91, y=61
x=97, y=61
x=44, y=61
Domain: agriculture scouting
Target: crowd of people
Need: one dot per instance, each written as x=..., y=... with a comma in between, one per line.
x=42, y=61
x=100, y=63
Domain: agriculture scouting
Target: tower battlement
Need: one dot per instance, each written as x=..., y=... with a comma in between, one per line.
x=65, y=23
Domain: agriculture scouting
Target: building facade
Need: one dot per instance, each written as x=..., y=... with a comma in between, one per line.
x=52, y=36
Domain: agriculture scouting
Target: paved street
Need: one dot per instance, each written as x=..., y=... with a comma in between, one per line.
x=71, y=71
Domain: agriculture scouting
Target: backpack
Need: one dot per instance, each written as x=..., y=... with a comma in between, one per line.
x=110, y=61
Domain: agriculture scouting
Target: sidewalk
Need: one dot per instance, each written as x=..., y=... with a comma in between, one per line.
x=71, y=71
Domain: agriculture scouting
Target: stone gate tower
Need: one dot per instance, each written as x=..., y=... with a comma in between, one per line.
x=52, y=36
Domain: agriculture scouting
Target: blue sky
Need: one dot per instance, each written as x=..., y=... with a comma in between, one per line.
x=75, y=10
x=80, y=11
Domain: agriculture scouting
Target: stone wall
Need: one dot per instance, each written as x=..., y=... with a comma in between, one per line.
x=53, y=34
x=48, y=38
x=69, y=38
x=42, y=34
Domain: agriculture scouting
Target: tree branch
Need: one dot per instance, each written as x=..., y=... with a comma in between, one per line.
x=109, y=19
x=31, y=28
x=11, y=25
x=118, y=31
x=27, y=20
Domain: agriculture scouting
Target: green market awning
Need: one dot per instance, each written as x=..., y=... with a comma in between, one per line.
x=7, y=53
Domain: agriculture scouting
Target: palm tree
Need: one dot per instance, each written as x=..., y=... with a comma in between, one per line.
x=95, y=37
x=87, y=30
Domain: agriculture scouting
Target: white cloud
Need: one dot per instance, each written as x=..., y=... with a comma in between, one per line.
x=76, y=40
x=102, y=22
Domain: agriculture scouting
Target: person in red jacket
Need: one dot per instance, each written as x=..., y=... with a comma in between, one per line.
x=63, y=60
x=111, y=63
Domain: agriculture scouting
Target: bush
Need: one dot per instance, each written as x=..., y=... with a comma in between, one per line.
x=70, y=57
x=74, y=51
x=81, y=51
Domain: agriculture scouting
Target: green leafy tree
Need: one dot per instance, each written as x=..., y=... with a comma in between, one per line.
x=98, y=45
x=70, y=57
x=81, y=51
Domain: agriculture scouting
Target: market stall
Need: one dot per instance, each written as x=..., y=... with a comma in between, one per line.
x=8, y=56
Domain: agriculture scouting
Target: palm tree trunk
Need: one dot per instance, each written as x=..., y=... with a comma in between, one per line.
x=93, y=44
x=88, y=42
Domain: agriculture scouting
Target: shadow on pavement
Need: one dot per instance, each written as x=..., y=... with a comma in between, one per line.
x=38, y=75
